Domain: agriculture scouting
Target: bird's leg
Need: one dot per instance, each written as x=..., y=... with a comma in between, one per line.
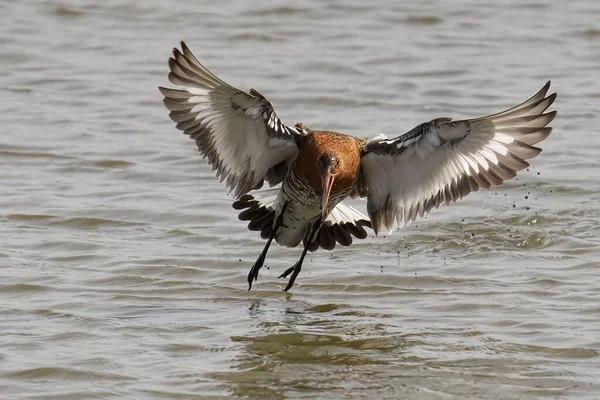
x=297, y=267
x=253, y=274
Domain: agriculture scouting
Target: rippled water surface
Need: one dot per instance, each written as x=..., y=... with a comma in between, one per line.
x=122, y=265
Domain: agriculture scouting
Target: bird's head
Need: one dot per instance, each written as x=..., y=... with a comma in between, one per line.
x=328, y=167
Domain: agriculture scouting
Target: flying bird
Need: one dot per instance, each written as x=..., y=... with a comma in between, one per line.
x=402, y=178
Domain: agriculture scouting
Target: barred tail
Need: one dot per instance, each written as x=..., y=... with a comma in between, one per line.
x=258, y=208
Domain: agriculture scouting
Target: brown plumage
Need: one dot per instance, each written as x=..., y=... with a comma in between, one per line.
x=437, y=162
x=345, y=148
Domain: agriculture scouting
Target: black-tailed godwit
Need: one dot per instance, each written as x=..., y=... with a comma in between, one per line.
x=402, y=178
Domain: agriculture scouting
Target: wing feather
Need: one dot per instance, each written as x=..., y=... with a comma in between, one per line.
x=238, y=133
x=441, y=161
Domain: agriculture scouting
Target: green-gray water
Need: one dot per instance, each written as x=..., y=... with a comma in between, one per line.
x=122, y=264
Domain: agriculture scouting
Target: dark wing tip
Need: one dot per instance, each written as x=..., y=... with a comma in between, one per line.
x=541, y=94
x=185, y=48
x=544, y=90
x=551, y=115
x=172, y=63
x=546, y=86
x=176, y=54
x=176, y=51
x=551, y=98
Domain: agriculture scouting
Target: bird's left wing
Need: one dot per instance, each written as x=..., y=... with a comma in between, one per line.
x=443, y=160
x=238, y=132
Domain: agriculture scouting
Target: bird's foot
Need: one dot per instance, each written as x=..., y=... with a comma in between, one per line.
x=253, y=274
x=288, y=271
x=294, y=270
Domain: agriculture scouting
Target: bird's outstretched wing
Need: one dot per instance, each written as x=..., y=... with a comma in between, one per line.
x=238, y=132
x=443, y=160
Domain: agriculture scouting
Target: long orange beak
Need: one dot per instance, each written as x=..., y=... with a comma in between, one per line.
x=327, y=180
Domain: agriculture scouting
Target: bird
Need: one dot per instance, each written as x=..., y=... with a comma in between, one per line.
x=311, y=172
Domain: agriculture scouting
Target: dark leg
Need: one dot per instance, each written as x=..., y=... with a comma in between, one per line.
x=253, y=274
x=297, y=267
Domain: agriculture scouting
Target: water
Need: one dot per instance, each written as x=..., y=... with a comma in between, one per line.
x=122, y=265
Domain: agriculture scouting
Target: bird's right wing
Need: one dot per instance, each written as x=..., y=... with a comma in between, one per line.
x=443, y=160
x=238, y=132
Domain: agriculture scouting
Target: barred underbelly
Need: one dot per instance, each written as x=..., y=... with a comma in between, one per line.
x=303, y=207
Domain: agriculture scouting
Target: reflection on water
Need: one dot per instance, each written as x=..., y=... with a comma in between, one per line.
x=123, y=268
x=303, y=349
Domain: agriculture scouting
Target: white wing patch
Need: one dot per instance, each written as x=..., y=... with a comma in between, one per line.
x=239, y=133
x=441, y=161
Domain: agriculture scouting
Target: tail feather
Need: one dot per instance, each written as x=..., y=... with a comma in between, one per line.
x=259, y=209
x=341, y=225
